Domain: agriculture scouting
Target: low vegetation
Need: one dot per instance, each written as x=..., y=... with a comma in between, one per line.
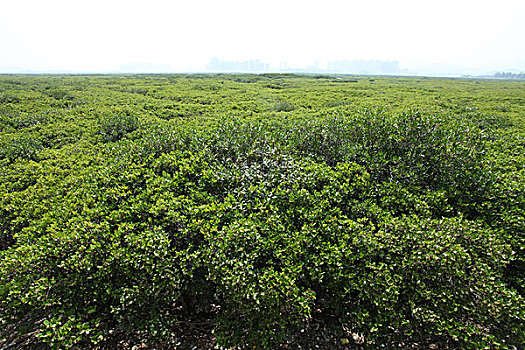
x=390, y=210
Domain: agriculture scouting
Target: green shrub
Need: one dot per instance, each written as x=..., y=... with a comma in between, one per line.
x=58, y=94
x=9, y=98
x=29, y=120
x=409, y=148
x=282, y=106
x=116, y=254
x=20, y=148
x=307, y=242
x=84, y=278
x=397, y=227
x=267, y=255
x=423, y=276
x=115, y=125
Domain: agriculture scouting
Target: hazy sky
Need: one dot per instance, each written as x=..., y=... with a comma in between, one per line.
x=102, y=35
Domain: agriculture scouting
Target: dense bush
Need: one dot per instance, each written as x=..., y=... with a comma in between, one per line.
x=391, y=226
x=410, y=148
x=19, y=121
x=7, y=98
x=283, y=106
x=425, y=276
x=115, y=125
x=20, y=149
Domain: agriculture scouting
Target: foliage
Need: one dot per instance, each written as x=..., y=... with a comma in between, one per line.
x=393, y=210
x=115, y=125
x=23, y=149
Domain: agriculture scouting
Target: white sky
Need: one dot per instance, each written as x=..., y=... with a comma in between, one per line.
x=101, y=35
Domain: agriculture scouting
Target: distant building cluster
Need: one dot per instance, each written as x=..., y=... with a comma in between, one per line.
x=509, y=75
x=255, y=66
x=346, y=66
x=364, y=67
x=372, y=67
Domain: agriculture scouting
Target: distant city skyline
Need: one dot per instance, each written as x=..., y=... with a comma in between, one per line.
x=217, y=65
x=426, y=38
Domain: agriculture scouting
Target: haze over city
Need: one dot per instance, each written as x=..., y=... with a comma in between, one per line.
x=373, y=37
